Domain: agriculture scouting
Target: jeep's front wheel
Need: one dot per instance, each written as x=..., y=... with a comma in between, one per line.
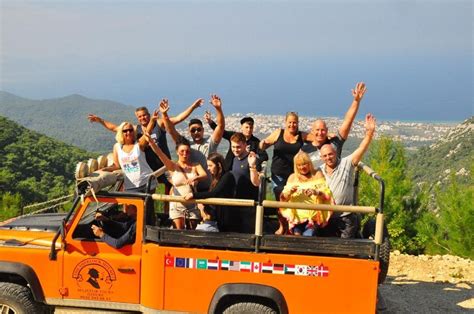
x=248, y=308
x=17, y=299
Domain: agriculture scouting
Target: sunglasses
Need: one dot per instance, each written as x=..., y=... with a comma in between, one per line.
x=196, y=130
x=127, y=130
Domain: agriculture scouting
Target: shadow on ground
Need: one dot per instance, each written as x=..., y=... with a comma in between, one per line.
x=411, y=296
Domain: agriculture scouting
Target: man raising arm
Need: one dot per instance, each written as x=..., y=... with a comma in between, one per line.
x=339, y=176
x=319, y=130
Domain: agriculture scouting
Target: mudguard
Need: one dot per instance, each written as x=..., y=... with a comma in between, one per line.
x=251, y=290
x=27, y=273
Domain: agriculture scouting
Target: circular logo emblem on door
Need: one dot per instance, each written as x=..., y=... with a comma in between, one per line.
x=94, y=273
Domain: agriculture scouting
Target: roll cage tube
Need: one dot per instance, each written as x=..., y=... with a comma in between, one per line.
x=379, y=220
x=53, y=254
x=262, y=191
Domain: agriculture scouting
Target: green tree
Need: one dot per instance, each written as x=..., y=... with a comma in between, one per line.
x=403, y=205
x=448, y=229
x=10, y=205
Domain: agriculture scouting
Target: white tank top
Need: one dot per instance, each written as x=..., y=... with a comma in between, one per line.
x=135, y=168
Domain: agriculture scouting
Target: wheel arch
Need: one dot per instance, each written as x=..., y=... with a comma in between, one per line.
x=247, y=290
x=22, y=274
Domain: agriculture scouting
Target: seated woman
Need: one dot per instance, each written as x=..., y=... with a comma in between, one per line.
x=184, y=177
x=305, y=185
x=129, y=155
x=222, y=185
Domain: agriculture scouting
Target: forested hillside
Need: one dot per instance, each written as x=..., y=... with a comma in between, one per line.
x=65, y=118
x=452, y=155
x=428, y=208
x=34, y=167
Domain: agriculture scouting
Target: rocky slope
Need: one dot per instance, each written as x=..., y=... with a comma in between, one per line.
x=451, y=155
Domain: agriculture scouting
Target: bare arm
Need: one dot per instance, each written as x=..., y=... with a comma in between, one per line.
x=358, y=94
x=307, y=137
x=369, y=133
x=286, y=195
x=116, y=165
x=169, y=126
x=269, y=140
x=169, y=164
x=186, y=113
x=106, y=124
x=254, y=175
x=201, y=173
x=143, y=141
x=219, y=130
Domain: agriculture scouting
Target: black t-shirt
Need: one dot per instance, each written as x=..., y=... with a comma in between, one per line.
x=252, y=142
x=283, y=154
x=159, y=136
x=244, y=188
x=313, y=151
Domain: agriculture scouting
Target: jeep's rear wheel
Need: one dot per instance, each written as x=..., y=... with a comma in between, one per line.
x=248, y=308
x=17, y=299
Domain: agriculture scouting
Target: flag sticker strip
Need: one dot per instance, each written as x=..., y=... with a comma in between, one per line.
x=246, y=266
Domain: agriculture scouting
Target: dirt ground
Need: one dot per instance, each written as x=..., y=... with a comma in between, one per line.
x=428, y=284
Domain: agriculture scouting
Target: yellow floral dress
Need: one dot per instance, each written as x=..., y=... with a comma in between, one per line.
x=298, y=216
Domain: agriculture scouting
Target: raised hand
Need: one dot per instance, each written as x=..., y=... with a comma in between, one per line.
x=197, y=103
x=156, y=114
x=94, y=118
x=207, y=116
x=252, y=159
x=359, y=91
x=164, y=106
x=215, y=101
x=370, y=123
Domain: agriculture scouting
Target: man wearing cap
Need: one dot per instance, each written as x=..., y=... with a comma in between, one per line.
x=319, y=130
x=252, y=142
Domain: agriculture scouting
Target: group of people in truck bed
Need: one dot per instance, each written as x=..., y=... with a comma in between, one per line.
x=306, y=167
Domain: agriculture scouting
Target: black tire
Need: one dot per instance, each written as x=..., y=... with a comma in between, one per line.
x=368, y=232
x=249, y=308
x=18, y=299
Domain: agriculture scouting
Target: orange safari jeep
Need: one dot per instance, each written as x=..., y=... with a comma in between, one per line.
x=53, y=261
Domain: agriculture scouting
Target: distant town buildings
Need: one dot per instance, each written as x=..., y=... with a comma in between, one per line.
x=412, y=134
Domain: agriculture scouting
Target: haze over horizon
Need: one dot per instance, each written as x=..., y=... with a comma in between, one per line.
x=259, y=56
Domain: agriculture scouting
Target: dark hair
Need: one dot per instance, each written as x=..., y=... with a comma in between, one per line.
x=182, y=141
x=219, y=161
x=195, y=121
x=247, y=120
x=142, y=109
x=238, y=137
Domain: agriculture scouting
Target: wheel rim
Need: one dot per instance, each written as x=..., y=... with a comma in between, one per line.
x=5, y=309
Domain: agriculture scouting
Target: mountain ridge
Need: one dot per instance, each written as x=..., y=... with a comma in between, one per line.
x=451, y=155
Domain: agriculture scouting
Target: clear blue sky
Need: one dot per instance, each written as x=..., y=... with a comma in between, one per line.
x=260, y=56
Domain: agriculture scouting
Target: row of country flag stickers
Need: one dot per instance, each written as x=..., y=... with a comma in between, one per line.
x=249, y=267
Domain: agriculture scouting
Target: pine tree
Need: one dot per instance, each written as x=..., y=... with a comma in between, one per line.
x=402, y=206
x=449, y=227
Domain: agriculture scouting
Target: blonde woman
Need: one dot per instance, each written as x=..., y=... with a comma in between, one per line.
x=286, y=144
x=305, y=185
x=129, y=156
